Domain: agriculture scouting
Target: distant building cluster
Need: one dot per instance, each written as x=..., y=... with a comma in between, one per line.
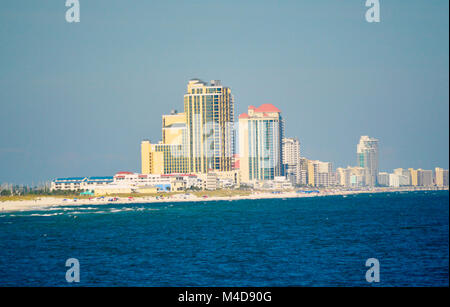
x=414, y=177
x=198, y=150
x=366, y=172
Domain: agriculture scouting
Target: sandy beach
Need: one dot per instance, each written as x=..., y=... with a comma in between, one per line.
x=47, y=201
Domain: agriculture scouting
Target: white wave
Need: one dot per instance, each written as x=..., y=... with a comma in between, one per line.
x=44, y=214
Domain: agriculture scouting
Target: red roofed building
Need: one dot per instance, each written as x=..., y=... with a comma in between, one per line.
x=124, y=173
x=267, y=107
x=261, y=132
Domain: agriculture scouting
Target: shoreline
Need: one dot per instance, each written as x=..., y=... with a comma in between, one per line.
x=45, y=202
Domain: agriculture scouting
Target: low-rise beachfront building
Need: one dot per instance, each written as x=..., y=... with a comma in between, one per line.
x=211, y=181
x=278, y=183
x=128, y=182
x=220, y=180
x=165, y=182
x=79, y=183
x=67, y=184
x=115, y=189
x=112, y=189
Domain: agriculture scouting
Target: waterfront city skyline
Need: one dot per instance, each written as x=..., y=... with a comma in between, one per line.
x=389, y=81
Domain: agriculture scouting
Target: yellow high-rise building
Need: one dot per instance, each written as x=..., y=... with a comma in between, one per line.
x=199, y=140
x=209, y=110
x=311, y=173
x=168, y=156
x=152, y=161
x=414, y=176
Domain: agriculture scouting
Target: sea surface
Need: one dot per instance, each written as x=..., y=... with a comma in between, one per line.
x=320, y=241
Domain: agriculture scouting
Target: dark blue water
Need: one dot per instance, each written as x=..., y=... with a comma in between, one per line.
x=322, y=241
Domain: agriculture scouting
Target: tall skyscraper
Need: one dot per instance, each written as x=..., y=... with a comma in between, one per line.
x=209, y=110
x=199, y=140
x=260, y=143
x=367, y=158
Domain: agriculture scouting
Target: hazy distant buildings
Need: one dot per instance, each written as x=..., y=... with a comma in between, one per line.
x=367, y=158
x=424, y=178
x=303, y=171
x=404, y=176
x=320, y=173
x=260, y=143
x=394, y=180
x=383, y=179
x=420, y=177
x=441, y=177
x=291, y=160
x=352, y=176
x=398, y=179
x=413, y=177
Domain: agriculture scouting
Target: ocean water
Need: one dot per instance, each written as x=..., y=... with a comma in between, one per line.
x=321, y=241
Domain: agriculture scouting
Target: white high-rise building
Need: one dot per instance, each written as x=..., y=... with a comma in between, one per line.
x=367, y=158
x=291, y=160
x=260, y=143
x=394, y=180
x=405, y=178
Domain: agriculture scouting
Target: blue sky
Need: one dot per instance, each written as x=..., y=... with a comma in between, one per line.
x=77, y=99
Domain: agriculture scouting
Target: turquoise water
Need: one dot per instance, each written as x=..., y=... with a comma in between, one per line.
x=321, y=241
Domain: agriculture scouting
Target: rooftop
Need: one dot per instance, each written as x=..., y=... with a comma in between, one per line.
x=267, y=107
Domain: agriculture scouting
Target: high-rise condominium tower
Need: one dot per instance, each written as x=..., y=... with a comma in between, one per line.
x=367, y=158
x=209, y=110
x=260, y=143
x=200, y=139
x=291, y=159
